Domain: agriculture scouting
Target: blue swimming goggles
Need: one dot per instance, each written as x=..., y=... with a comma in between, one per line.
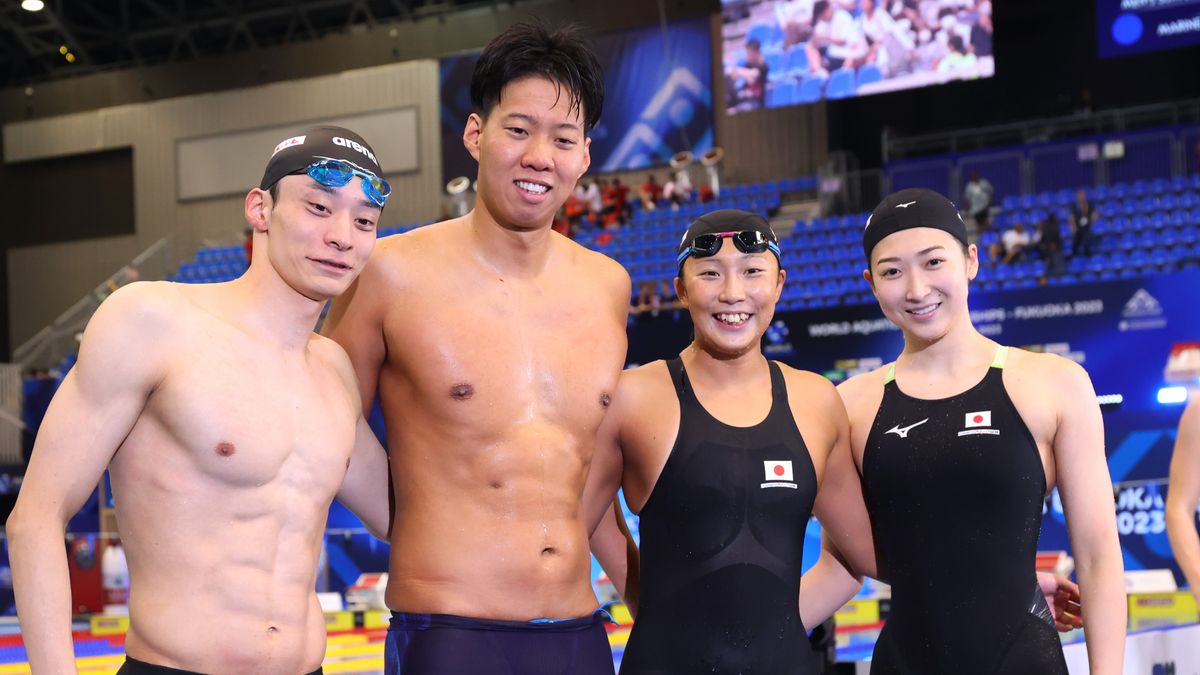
x=336, y=173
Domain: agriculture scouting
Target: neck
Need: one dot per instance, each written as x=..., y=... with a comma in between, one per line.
x=961, y=346
x=509, y=250
x=271, y=310
x=727, y=370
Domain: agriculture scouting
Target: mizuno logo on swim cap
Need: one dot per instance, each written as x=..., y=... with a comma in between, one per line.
x=346, y=143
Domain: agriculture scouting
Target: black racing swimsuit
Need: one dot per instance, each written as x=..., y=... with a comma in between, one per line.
x=721, y=540
x=955, y=488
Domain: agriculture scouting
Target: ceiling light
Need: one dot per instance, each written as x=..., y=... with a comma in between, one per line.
x=70, y=57
x=32, y=5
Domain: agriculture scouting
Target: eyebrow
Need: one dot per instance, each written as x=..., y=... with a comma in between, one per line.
x=931, y=249
x=530, y=119
x=366, y=203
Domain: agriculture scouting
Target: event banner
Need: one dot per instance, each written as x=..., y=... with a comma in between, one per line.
x=657, y=102
x=1135, y=26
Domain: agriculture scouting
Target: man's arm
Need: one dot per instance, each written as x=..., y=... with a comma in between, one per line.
x=355, y=322
x=1183, y=495
x=366, y=489
x=121, y=361
x=1086, y=489
x=611, y=543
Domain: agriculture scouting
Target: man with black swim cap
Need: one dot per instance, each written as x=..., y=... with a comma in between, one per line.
x=227, y=427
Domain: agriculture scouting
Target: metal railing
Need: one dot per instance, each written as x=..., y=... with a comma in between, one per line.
x=51, y=344
x=897, y=147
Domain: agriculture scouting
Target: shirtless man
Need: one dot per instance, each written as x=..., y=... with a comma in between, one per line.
x=1183, y=495
x=495, y=345
x=227, y=427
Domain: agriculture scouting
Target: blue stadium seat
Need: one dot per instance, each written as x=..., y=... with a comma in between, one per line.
x=783, y=93
x=775, y=60
x=869, y=73
x=811, y=88
x=765, y=33
x=797, y=61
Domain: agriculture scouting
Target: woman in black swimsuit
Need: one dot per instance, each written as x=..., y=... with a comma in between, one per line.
x=958, y=442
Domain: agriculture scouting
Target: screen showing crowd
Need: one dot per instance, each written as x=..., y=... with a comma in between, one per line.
x=784, y=52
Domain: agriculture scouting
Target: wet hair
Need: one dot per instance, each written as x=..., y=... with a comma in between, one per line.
x=529, y=48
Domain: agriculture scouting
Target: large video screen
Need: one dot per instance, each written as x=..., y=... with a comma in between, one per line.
x=1135, y=26
x=784, y=52
x=657, y=102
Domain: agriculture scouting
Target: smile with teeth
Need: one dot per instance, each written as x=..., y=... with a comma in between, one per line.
x=535, y=188
x=733, y=318
x=922, y=311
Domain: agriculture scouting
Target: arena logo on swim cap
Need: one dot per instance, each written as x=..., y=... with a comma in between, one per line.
x=347, y=143
x=294, y=140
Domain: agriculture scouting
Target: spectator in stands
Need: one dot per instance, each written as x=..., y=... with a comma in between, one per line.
x=888, y=44
x=648, y=299
x=979, y=193
x=1014, y=245
x=1050, y=245
x=574, y=209
x=958, y=58
x=651, y=192
x=981, y=31
x=678, y=190
x=795, y=19
x=836, y=37
x=589, y=194
x=1083, y=216
x=749, y=79
x=621, y=200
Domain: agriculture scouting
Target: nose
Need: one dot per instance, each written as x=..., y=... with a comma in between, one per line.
x=537, y=155
x=917, y=287
x=733, y=290
x=339, y=233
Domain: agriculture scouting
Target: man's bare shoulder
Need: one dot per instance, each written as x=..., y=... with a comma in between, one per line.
x=394, y=256
x=596, y=266
x=144, y=307
x=335, y=357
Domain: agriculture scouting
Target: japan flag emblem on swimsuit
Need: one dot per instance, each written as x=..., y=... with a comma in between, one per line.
x=982, y=418
x=778, y=473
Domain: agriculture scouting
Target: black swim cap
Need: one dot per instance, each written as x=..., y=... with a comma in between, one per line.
x=906, y=209
x=314, y=144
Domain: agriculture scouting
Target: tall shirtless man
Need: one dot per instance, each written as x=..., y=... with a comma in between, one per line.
x=227, y=426
x=495, y=345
